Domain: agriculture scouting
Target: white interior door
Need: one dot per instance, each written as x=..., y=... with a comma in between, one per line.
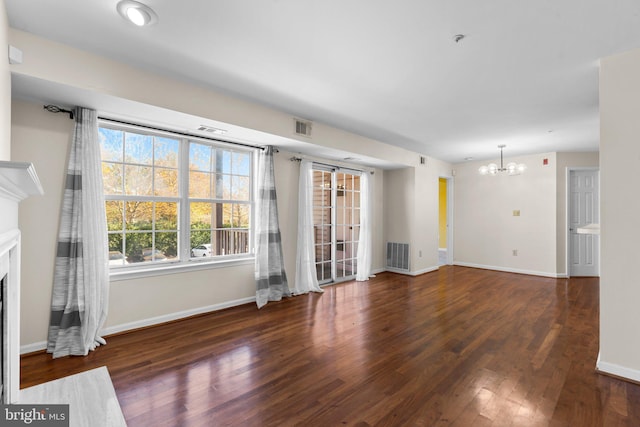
x=584, y=209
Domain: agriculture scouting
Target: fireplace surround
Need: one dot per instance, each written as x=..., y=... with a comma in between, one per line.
x=18, y=180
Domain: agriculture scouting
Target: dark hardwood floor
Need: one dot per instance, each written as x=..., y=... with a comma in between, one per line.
x=459, y=346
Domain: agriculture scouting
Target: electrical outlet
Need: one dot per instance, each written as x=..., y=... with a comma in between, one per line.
x=515, y=252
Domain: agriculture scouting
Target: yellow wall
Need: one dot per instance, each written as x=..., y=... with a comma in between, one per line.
x=442, y=242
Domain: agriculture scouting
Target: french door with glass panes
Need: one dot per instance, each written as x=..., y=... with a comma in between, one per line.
x=336, y=224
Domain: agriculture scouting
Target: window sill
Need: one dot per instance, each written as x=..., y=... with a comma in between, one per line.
x=127, y=273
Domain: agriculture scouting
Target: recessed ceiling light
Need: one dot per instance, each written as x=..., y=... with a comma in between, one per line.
x=137, y=13
x=468, y=158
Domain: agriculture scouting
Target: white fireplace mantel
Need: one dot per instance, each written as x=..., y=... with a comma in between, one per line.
x=18, y=180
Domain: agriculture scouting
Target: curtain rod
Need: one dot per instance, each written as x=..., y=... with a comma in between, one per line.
x=56, y=109
x=299, y=159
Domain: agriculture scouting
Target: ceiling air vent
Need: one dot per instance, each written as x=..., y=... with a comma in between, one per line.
x=205, y=128
x=303, y=127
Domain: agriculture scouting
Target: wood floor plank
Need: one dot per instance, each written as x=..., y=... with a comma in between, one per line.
x=459, y=346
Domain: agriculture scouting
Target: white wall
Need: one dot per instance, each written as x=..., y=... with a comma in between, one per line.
x=619, y=210
x=5, y=87
x=485, y=230
x=425, y=230
x=9, y=211
x=411, y=211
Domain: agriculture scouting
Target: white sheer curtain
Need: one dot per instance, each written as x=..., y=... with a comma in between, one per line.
x=364, y=243
x=306, y=279
x=81, y=279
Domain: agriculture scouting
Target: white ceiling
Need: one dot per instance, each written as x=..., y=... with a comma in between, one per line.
x=525, y=75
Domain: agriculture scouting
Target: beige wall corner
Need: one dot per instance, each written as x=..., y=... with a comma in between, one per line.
x=5, y=87
x=619, y=208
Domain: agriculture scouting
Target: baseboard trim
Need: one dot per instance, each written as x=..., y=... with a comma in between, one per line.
x=144, y=323
x=174, y=316
x=617, y=371
x=33, y=348
x=412, y=273
x=424, y=271
x=510, y=270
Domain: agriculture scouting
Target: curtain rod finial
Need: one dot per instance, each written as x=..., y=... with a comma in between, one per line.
x=55, y=109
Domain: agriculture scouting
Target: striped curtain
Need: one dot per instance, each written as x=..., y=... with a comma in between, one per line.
x=271, y=279
x=81, y=277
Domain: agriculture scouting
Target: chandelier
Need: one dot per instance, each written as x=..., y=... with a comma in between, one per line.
x=511, y=168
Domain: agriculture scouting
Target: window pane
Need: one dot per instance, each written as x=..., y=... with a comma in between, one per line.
x=166, y=246
x=240, y=188
x=199, y=185
x=112, y=178
x=356, y=183
x=227, y=215
x=114, y=215
x=138, y=148
x=117, y=258
x=326, y=252
x=348, y=250
x=323, y=216
x=200, y=216
x=135, y=243
x=111, y=146
x=199, y=157
x=138, y=180
x=223, y=187
x=242, y=216
x=166, y=182
x=166, y=216
x=139, y=215
x=241, y=164
x=198, y=238
x=326, y=197
x=166, y=152
x=242, y=241
x=223, y=161
x=324, y=271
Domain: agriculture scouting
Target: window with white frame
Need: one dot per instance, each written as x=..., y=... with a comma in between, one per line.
x=174, y=199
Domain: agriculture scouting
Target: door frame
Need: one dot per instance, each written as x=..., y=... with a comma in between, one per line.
x=449, y=180
x=567, y=255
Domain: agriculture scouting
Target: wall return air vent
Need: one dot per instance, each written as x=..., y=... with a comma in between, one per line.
x=398, y=256
x=302, y=127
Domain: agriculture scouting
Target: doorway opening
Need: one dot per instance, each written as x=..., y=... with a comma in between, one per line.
x=445, y=221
